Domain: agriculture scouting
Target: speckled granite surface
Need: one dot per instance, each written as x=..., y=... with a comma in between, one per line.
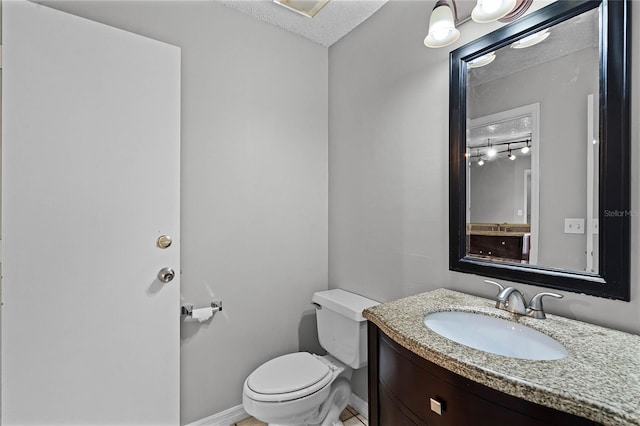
x=599, y=379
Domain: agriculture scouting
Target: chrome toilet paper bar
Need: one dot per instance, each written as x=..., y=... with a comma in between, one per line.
x=187, y=310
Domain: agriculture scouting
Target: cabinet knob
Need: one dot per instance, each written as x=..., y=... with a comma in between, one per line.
x=436, y=406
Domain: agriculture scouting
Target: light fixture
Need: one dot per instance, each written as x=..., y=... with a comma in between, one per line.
x=496, y=150
x=531, y=40
x=491, y=152
x=442, y=29
x=308, y=8
x=481, y=61
x=492, y=10
x=449, y=14
x=481, y=162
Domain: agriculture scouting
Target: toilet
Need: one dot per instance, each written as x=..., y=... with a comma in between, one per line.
x=306, y=389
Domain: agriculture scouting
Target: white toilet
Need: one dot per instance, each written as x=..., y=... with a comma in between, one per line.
x=306, y=389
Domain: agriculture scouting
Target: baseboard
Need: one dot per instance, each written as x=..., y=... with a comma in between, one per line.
x=237, y=413
x=223, y=418
x=361, y=406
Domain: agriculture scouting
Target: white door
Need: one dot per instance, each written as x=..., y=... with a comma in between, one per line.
x=91, y=180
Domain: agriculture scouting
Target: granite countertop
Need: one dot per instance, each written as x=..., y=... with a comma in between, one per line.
x=599, y=379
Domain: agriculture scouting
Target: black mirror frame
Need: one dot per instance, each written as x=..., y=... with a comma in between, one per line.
x=613, y=279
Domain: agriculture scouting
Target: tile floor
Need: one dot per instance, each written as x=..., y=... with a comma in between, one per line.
x=350, y=417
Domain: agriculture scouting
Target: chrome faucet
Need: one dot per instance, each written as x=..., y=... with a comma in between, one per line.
x=512, y=300
x=535, y=309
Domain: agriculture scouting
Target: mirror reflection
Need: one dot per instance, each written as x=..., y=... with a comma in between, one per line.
x=532, y=149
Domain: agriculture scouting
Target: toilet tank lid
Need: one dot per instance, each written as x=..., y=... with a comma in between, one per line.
x=343, y=302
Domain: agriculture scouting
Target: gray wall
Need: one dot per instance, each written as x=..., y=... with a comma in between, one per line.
x=388, y=168
x=254, y=186
x=561, y=87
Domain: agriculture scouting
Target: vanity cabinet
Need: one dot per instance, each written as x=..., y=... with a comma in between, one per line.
x=498, y=247
x=405, y=389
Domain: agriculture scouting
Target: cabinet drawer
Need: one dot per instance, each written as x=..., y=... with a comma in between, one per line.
x=415, y=388
x=496, y=246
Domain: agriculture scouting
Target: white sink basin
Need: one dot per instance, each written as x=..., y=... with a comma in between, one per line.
x=495, y=335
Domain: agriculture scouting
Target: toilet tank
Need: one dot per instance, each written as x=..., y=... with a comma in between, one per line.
x=342, y=330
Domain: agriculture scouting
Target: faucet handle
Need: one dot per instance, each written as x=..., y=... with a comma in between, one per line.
x=535, y=306
x=500, y=286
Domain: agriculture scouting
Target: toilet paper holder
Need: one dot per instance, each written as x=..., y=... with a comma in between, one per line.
x=187, y=310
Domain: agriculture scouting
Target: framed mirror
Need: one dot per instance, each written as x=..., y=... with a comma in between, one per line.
x=539, y=169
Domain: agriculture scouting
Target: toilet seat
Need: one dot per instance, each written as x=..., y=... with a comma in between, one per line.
x=288, y=377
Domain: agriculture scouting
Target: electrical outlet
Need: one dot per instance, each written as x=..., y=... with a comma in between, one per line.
x=574, y=226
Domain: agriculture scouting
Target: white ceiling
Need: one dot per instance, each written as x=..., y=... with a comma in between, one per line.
x=333, y=22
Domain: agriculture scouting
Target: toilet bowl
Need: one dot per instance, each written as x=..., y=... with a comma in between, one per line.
x=306, y=389
x=298, y=389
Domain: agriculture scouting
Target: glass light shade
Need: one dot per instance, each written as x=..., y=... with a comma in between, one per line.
x=481, y=61
x=491, y=10
x=442, y=30
x=531, y=40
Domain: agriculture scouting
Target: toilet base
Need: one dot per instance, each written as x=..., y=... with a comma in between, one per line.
x=327, y=414
x=337, y=401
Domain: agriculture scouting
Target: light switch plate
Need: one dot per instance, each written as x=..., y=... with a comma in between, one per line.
x=573, y=226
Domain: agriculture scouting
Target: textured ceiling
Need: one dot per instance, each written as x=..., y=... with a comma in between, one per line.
x=334, y=21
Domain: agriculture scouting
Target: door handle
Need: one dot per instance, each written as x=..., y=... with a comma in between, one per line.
x=165, y=275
